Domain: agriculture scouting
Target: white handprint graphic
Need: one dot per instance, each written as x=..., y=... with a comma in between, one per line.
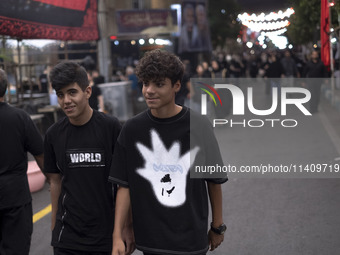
x=166, y=170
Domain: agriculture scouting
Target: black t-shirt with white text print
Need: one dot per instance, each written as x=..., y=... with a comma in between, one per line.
x=83, y=155
x=152, y=159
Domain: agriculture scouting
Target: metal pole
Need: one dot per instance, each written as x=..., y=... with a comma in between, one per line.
x=331, y=56
x=65, y=51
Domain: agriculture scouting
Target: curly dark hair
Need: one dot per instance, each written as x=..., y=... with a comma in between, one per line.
x=66, y=73
x=157, y=65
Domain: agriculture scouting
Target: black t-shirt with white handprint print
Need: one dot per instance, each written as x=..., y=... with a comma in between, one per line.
x=153, y=158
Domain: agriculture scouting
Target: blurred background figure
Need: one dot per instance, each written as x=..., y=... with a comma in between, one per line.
x=203, y=29
x=315, y=69
x=96, y=100
x=43, y=83
x=206, y=68
x=274, y=70
x=182, y=94
x=136, y=88
x=188, y=40
x=290, y=69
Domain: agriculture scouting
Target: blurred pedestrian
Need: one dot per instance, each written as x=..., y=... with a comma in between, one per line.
x=96, y=99
x=206, y=67
x=217, y=71
x=274, y=72
x=18, y=135
x=315, y=69
x=43, y=83
x=236, y=66
x=290, y=70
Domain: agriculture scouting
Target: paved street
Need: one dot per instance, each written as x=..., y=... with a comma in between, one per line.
x=268, y=214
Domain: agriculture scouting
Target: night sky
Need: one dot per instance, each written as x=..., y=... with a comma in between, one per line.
x=258, y=6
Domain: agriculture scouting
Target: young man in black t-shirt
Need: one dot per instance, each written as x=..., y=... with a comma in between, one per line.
x=18, y=134
x=151, y=165
x=78, y=153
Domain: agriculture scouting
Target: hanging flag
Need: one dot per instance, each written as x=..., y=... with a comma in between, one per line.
x=49, y=19
x=324, y=33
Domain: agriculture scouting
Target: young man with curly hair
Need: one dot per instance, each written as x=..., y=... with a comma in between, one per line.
x=151, y=165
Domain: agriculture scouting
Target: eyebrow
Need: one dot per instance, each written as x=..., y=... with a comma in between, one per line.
x=71, y=89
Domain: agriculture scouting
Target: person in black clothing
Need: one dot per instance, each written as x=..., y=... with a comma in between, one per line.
x=274, y=71
x=151, y=163
x=315, y=69
x=96, y=99
x=44, y=82
x=78, y=151
x=18, y=134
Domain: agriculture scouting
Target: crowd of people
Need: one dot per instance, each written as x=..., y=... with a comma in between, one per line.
x=267, y=64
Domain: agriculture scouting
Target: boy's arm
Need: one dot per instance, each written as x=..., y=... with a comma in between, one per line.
x=215, y=195
x=40, y=161
x=55, y=188
x=121, y=215
x=101, y=103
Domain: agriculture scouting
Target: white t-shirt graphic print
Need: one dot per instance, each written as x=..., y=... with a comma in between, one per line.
x=166, y=170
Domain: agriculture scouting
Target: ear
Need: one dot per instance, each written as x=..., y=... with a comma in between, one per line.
x=177, y=86
x=88, y=92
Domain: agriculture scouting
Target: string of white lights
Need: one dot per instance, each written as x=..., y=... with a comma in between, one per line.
x=259, y=26
x=273, y=16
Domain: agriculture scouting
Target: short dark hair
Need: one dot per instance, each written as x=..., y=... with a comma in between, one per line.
x=3, y=83
x=157, y=65
x=68, y=72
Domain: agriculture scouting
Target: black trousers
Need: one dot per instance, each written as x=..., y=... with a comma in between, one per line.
x=16, y=229
x=315, y=90
x=61, y=251
x=145, y=253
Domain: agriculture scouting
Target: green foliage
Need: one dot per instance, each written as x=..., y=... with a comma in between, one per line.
x=305, y=23
x=223, y=25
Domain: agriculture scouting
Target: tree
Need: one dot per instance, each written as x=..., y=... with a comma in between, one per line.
x=305, y=23
x=222, y=16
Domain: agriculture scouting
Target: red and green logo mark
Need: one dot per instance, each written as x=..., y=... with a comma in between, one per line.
x=211, y=94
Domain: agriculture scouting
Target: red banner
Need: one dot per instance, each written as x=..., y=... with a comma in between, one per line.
x=79, y=5
x=324, y=33
x=49, y=19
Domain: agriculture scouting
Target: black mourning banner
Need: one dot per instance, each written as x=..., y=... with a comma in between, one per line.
x=49, y=19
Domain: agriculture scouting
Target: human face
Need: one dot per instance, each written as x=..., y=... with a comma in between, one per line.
x=160, y=96
x=189, y=18
x=74, y=102
x=315, y=55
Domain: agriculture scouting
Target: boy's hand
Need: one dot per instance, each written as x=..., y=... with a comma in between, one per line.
x=129, y=239
x=214, y=240
x=118, y=247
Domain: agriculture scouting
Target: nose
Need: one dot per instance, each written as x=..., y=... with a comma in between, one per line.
x=67, y=99
x=149, y=89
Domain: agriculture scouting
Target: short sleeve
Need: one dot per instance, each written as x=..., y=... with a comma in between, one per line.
x=50, y=164
x=204, y=136
x=118, y=171
x=213, y=155
x=33, y=139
